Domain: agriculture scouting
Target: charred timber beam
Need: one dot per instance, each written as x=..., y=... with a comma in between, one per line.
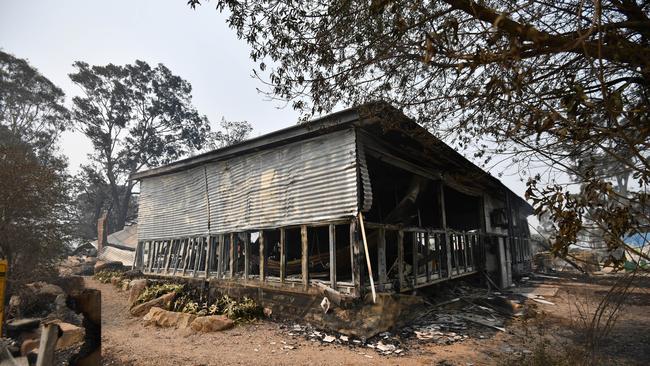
x=381, y=256
x=305, y=256
x=262, y=256
x=220, y=257
x=232, y=255
x=400, y=258
x=208, y=259
x=355, y=257
x=332, y=238
x=283, y=254
x=247, y=250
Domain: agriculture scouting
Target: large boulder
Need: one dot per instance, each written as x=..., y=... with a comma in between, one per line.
x=168, y=319
x=163, y=301
x=108, y=266
x=70, y=335
x=137, y=288
x=212, y=323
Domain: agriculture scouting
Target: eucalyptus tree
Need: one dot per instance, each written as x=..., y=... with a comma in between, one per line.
x=544, y=81
x=136, y=116
x=34, y=185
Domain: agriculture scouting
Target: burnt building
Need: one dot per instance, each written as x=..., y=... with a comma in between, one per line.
x=360, y=201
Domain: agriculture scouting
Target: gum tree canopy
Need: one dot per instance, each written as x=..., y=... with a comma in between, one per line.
x=136, y=116
x=562, y=83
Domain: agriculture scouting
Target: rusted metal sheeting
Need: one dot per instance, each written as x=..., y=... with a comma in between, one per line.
x=303, y=182
x=173, y=205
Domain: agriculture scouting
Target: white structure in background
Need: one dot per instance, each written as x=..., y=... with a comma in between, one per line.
x=120, y=246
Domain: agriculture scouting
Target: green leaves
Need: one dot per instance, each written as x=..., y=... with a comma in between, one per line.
x=136, y=116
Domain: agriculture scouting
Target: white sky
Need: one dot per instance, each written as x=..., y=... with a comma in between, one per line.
x=195, y=44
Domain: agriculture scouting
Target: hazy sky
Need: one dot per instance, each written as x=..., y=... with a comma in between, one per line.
x=195, y=44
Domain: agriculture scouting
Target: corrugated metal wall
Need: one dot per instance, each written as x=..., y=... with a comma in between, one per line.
x=306, y=181
x=173, y=205
x=303, y=182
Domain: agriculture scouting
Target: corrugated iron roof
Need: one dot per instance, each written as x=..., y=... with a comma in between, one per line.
x=380, y=118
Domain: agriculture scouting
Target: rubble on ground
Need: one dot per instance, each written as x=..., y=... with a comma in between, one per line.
x=39, y=303
x=466, y=313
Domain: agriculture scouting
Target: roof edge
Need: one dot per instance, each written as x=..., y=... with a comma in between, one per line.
x=285, y=135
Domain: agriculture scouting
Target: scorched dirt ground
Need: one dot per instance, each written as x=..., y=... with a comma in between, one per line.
x=125, y=341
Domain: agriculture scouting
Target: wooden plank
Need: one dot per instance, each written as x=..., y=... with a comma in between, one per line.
x=355, y=257
x=186, y=257
x=332, y=237
x=135, y=258
x=47, y=346
x=427, y=255
x=262, y=257
x=247, y=250
x=156, y=246
x=381, y=255
x=465, y=250
x=443, y=219
x=367, y=255
x=414, y=243
x=147, y=266
x=169, y=255
x=400, y=258
x=181, y=252
x=208, y=259
x=197, y=257
x=232, y=256
x=305, y=256
x=283, y=254
x=220, y=256
x=439, y=238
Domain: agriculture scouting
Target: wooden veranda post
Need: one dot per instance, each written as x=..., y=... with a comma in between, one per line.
x=305, y=256
x=332, y=237
x=283, y=254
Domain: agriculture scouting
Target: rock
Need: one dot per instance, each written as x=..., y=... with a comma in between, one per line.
x=212, y=323
x=45, y=289
x=14, y=310
x=21, y=325
x=162, y=302
x=59, y=302
x=168, y=319
x=137, y=287
x=70, y=335
x=108, y=266
x=71, y=284
x=116, y=281
x=133, y=273
x=29, y=345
